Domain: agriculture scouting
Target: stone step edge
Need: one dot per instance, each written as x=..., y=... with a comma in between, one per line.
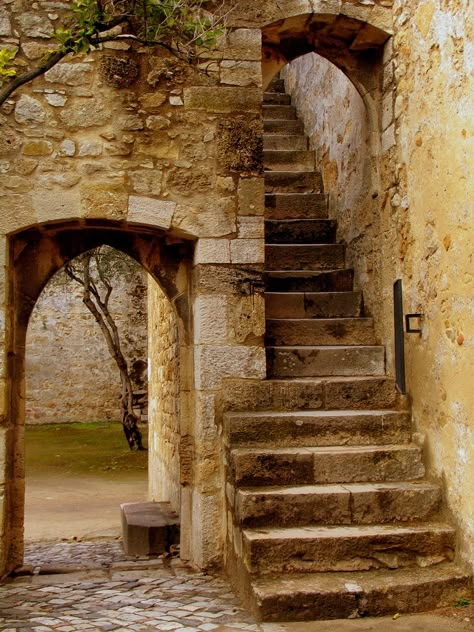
x=328, y=488
x=336, y=449
x=357, y=594
x=318, y=532
x=351, y=412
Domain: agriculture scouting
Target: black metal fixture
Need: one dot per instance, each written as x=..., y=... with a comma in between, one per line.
x=400, y=330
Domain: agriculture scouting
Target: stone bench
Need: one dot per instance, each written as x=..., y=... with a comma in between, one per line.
x=148, y=528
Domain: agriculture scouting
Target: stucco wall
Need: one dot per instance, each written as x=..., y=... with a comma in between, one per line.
x=163, y=407
x=70, y=376
x=434, y=49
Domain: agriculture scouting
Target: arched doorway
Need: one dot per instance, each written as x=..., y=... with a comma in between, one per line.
x=35, y=255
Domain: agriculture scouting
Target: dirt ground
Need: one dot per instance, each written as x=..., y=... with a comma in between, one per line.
x=77, y=475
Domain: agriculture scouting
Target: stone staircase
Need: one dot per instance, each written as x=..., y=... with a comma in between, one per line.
x=331, y=515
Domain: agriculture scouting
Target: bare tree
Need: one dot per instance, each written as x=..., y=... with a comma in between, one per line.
x=95, y=271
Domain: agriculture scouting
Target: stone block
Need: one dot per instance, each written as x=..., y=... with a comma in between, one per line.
x=241, y=43
x=29, y=110
x=70, y=74
x=37, y=148
x=241, y=73
x=152, y=101
x=145, y=210
x=247, y=251
x=214, y=363
x=34, y=25
x=222, y=99
x=212, y=251
x=81, y=115
x=105, y=200
x=210, y=319
x=17, y=212
x=250, y=227
x=5, y=25
x=149, y=528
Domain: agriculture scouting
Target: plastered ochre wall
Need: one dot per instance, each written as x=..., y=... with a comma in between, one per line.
x=434, y=49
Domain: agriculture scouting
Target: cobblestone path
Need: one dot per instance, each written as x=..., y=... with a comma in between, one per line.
x=104, y=590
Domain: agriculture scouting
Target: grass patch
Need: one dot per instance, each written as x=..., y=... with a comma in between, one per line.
x=82, y=448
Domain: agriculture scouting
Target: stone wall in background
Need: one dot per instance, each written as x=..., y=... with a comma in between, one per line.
x=70, y=376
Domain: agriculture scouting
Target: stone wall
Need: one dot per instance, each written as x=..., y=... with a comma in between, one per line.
x=415, y=221
x=134, y=149
x=434, y=71
x=336, y=123
x=70, y=375
x=164, y=438
x=131, y=147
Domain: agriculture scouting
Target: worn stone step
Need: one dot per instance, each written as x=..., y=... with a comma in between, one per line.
x=356, y=504
x=277, y=85
x=317, y=596
x=317, y=428
x=282, y=142
x=325, y=305
x=307, y=466
x=294, y=181
x=288, y=160
x=282, y=126
x=304, y=256
x=309, y=281
x=312, y=332
x=299, y=361
x=296, y=206
x=300, y=231
x=347, y=548
x=279, y=112
x=277, y=98
x=330, y=393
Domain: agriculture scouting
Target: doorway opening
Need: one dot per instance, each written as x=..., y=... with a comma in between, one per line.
x=37, y=254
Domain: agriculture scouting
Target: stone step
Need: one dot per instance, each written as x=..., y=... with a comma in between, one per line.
x=149, y=528
x=317, y=428
x=282, y=142
x=315, y=361
x=294, y=181
x=304, y=256
x=277, y=98
x=279, y=112
x=300, y=231
x=326, y=305
x=296, y=206
x=288, y=160
x=309, y=281
x=311, y=332
x=277, y=85
x=307, y=466
x=312, y=549
x=347, y=504
x=282, y=126
x=331, y=393
x=317, y=596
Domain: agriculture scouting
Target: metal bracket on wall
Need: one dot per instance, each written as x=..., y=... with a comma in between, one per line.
x=408, y=327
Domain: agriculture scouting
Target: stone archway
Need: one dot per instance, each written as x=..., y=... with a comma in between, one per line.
x=35, y=255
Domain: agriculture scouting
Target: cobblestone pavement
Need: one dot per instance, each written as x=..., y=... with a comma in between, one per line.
x=104, y=590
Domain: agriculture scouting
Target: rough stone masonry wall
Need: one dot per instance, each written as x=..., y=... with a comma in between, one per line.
x=434, y=71
x=137, y=138
x=164, y=399
x=70, y=376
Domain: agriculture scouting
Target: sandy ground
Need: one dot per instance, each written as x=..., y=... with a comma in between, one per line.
x=58, y=507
